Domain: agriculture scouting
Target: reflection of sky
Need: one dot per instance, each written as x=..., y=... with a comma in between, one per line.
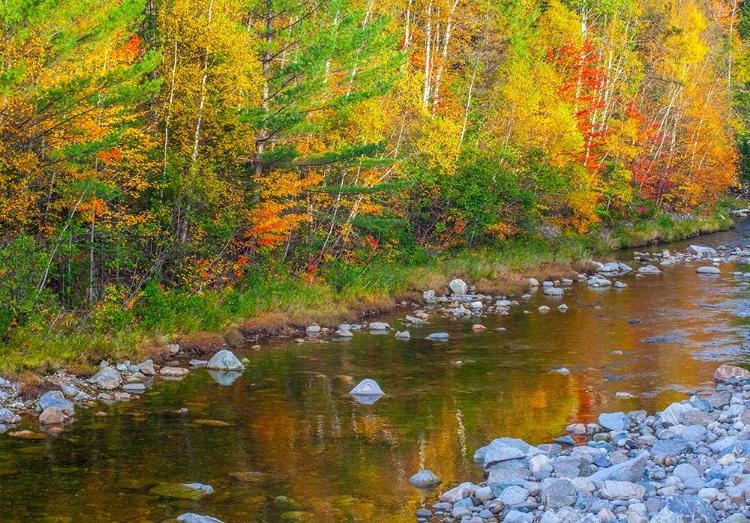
x=295, y=425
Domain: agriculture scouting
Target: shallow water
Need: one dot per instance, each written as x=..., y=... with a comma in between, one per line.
x=294, y=431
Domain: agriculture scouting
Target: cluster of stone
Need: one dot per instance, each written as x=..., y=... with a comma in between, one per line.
x=688, y=463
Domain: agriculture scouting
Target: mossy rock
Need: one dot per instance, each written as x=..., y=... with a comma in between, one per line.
x=178, y=491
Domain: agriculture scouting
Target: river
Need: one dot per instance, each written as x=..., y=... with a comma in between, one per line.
x=291, y=429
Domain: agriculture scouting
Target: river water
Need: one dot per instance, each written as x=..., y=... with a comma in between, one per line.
x=291, y=429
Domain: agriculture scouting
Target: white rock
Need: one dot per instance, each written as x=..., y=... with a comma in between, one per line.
x=458, y=287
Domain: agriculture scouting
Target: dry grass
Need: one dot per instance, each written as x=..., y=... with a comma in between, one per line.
x=200, y=344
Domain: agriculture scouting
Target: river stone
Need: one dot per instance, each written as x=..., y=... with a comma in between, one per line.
x=667, y=516
x=403, y=335
x=690, y=507
x=672, y=415
x=173, y=372
x=697, y=417
x=724, y=372
x=225, y=360
x=484, y=494
x=438, y=336
x=553, y=291
x=686, y=472
x=569, y=466
x=612, y=266
x=458, y=287
x=367, y=387
x=55, y=398
x=708, y=269
x=429, y=296
x=720, y=399
x=702, y=251
x=379, y=326
x=736, y=518
x=616, y=421
x=497, y=453
x=669, y=447
x=558, y=493
x=505, y=471
x=516, y=516
x=190, y=517
x=134, y=388
x=425, y=479
x=694, y=433
x=147, y=367
x=52, y=416
x=622, y=490
x=648, y=269
x=456, y=494
x=9, y=417
x=513, y=495
x=108, y=378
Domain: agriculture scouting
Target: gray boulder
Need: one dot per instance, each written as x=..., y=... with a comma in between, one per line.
x=425, y=479
x=108, y=378
x=690, y=507
x=708, y=269
x=55, y=399
x=458, y=287
x=616, y=421
x=225, y=360
x=622, y=490
x=52, y=416
x=557, y=493
x=9, y=417
x=147, y=368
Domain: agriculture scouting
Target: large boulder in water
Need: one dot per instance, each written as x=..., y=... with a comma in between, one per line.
x=425, y=479
x=225, y=360
x=367, y=387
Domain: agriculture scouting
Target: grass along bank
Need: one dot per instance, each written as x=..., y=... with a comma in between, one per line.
x=274, y=304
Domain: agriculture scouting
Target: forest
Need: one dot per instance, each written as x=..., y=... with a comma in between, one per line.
x=155, y=148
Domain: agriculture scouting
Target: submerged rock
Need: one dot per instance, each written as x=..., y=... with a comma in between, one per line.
x=192, y=491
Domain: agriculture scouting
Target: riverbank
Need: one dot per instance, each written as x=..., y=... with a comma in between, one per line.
x=280, y=304
x=688, y=463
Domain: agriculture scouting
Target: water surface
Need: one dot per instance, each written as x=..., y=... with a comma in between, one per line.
x=295, y=432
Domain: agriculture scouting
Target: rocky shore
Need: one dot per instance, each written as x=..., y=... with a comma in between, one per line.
x=688, y=463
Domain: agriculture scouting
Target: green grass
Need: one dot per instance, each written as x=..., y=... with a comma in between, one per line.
x=273, y=304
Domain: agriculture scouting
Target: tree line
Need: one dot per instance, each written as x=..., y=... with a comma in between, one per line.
x=148, y=145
